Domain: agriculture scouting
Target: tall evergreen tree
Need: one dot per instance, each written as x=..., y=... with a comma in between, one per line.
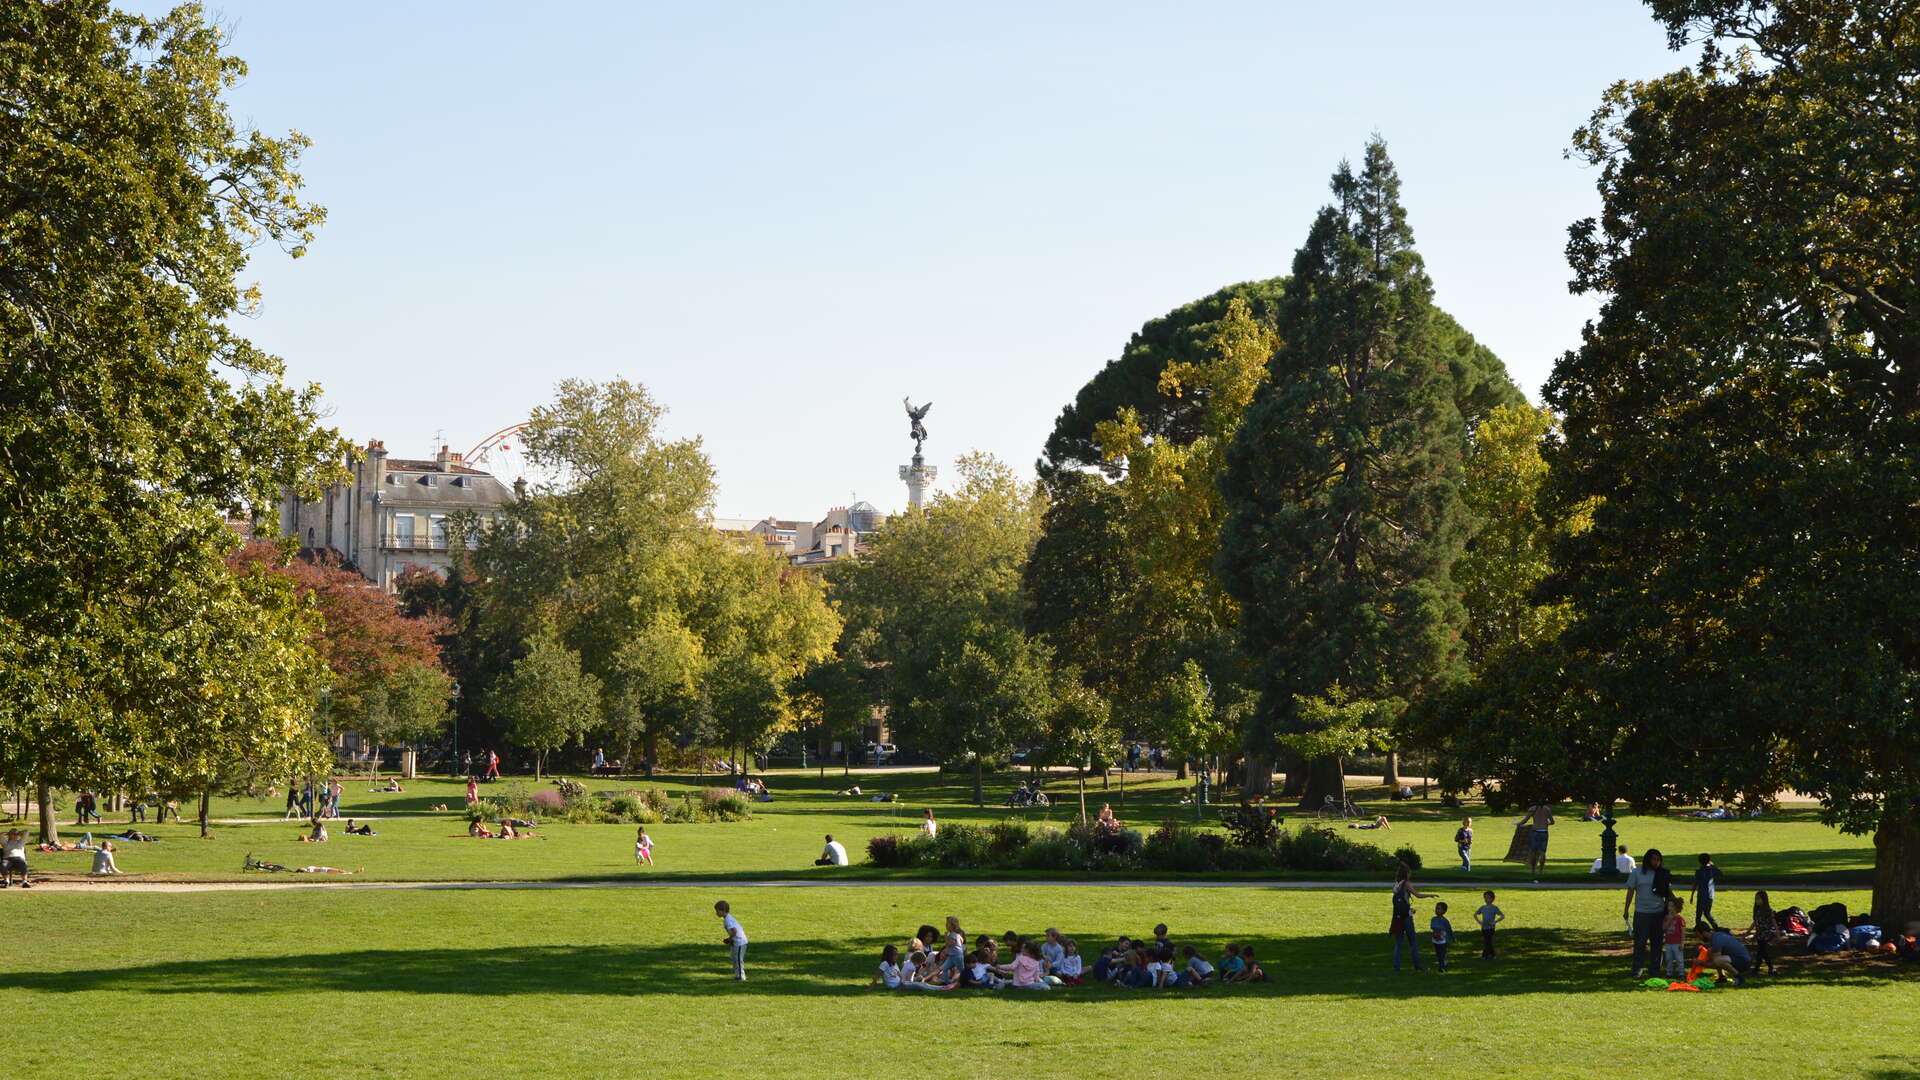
x=1342, y=483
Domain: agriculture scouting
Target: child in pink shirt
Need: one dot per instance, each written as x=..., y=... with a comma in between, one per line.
x=1027, y=967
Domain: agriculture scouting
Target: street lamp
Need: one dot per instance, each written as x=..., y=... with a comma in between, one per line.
x=455, y=760
x=1609, y=856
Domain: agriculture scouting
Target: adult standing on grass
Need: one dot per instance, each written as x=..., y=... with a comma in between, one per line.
x=1649, y=888
x=1541, y=818
x=1404, y=895
x=736, y=940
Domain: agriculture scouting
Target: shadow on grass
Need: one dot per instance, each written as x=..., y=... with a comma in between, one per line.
x=1341, y=965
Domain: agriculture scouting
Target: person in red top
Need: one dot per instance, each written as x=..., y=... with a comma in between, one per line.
x=493, y=765
x=473, y=791
x=1675, y=939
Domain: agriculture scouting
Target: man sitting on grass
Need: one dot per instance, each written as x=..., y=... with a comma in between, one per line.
x=13, y=859
x=835, y=853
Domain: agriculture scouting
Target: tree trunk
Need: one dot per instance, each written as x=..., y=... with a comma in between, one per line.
x=1896, y=872
x=653, y=746
x=1259, y=779
x=1083, y=795
x=1392, y=778
x=1106, y=779
x=1182, y=774
x=49, y=823
x=206, y=800
x=1325, y=776
x=539, y=765
x=1295, y=767
x=979, y=788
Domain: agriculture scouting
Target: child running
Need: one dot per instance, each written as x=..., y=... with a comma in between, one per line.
x=643, y=848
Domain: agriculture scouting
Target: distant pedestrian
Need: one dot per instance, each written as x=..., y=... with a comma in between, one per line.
x=736, y=940
x=1541, y=817
x=1463, y=843
x=599, y=761
x=493, y=765
x=1488, y=916
x=1705, y=885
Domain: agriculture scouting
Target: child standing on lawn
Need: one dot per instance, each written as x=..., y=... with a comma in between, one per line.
x=1463, y=840
x=643, y=847
x=736, y=940
x=1675, y=940
x=1442, y=935
x=1706, y=882
x=1489, y=917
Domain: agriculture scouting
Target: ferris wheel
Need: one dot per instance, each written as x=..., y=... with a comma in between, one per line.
x=502, y=455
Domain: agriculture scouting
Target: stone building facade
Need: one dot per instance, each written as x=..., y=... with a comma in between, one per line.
x=394, y=512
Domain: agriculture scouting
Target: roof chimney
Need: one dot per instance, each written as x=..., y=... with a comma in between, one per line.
x=442, y=459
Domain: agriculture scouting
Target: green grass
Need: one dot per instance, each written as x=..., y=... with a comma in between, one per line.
x=786, y=835
x=596, y=982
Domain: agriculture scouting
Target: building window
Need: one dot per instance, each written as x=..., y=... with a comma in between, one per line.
x=403, y=530
x=437, y=530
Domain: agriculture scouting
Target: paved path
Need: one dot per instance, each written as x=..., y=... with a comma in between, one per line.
x=329, y=881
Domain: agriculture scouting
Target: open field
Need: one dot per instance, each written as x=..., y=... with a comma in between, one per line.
x=633, y=982
x=785, y=836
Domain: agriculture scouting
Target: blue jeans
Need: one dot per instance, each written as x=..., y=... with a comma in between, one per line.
x=1703, y=910
x=739, y=953
x=1466, y=856
x=1405, y=936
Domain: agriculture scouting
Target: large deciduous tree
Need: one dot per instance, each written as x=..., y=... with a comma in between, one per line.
x=133, y=419
x=1344, y=516
x=545, y=700
x=933, y=613
x=1746, y=411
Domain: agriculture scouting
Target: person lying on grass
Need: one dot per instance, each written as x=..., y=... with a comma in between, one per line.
x=325, y=870
x=1379, y=822
x=359, y=830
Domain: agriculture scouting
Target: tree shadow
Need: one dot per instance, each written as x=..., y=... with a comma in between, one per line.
x=1336, y=965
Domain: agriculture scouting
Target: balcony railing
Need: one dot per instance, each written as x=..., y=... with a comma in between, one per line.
x=413, y=543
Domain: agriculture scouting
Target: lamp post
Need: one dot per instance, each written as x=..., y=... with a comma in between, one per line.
x=454, y=761
x=1609, y=841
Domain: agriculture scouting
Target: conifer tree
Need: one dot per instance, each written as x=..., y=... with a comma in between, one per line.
x=1344, y=514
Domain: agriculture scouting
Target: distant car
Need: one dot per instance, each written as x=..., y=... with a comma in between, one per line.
x=881, y=753
x=1026, y=754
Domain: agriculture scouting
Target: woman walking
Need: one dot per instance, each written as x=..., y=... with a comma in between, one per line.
x=1402, y=929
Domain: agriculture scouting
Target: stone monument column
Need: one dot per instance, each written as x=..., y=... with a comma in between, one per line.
x=919, y=476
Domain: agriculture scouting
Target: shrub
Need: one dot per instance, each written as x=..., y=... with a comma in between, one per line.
x=624, y=807
x=1406, y=854
x=515, y=802
x=1252, y=826
x=961, y=847
x=1176, y=846
x=655, y=798
x=1245, y=858
x=724, y=804
x=1007, y=837
x=1315, y=847
x=479, y=811
x=1050, y=851
x=887, y=851
x=682, y=812
x=547, y=801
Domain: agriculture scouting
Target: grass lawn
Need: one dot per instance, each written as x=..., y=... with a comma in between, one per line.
x=786, y=835
x=596, y=982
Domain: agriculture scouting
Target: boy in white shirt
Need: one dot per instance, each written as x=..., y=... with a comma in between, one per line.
x=1160, y=970
x=736, y=940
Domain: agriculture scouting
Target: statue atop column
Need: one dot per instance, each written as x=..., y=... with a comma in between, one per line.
x=919, y=475
x=919, y=433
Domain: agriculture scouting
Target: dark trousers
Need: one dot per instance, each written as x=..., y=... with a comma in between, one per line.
x=1440, y=956
x=1703, y=912
x=1486, y=949
x=1649, y=938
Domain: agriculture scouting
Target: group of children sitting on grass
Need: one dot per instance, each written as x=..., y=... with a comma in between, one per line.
x=942, y=961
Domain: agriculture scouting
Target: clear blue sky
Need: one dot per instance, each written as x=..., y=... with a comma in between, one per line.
x=784, y=217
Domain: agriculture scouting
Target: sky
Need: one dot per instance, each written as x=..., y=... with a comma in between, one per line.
x=784, y=217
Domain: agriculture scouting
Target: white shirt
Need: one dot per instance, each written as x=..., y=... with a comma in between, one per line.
x=1625, y=863
x=890, y=975
x=1165, y=970
x=14, y=849
x=733, y=924
x=1070, y=965
x=930, y=827
x=837, y=851
x=1200, y=967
